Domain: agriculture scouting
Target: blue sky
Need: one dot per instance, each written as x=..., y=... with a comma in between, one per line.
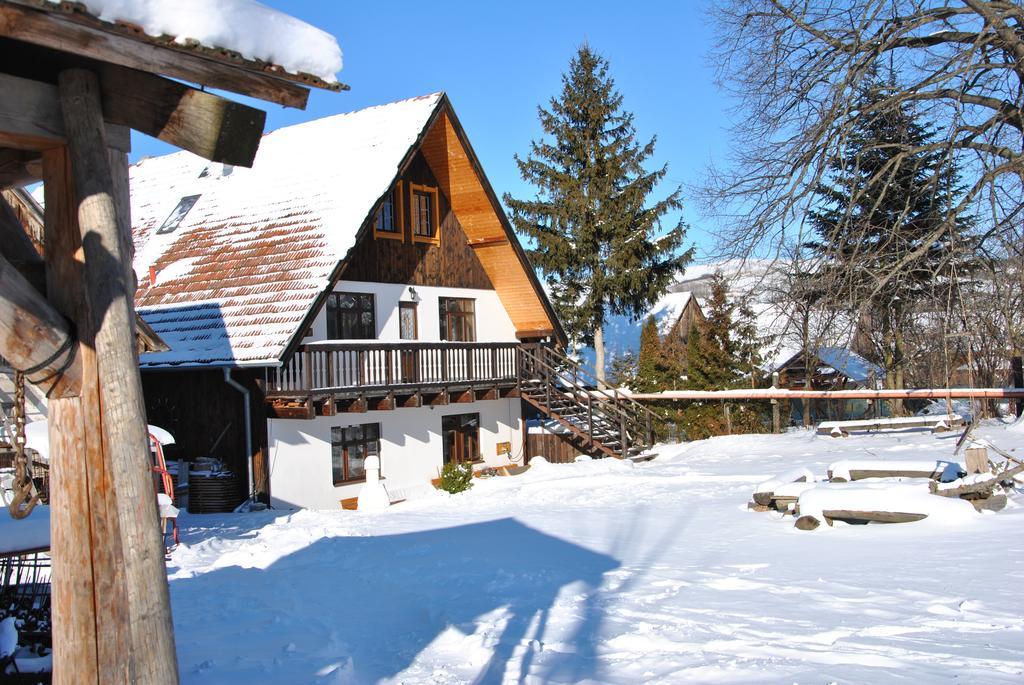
x=498, y=61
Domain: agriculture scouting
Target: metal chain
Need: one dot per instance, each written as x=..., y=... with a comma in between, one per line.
x=24, y=499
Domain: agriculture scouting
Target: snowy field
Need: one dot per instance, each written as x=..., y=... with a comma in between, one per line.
x=604, y=572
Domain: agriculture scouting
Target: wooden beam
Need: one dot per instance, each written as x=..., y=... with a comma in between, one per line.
x=208, y=125
x=385, y=403
x=19, y=167
x=509, y=392
x=408, y=401
x=282, y=410
x=75, y=35
x=463, y=397
x=356, y=405
x=439, y=398
x=90, y=603
x=484, y=242
x=19, y=249
x=34, y=337
x=31, y=119
x=489, y=394
x=106, y=231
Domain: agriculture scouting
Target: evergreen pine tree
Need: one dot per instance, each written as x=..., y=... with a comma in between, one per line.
x=711, y=352
x=888, y=191
x=656, y=371
x=722, y=349
x=601, y=247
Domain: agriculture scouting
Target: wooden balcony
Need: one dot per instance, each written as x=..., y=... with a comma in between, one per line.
x=358, y=369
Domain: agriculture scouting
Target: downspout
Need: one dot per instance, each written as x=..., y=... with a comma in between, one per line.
x=248, y=425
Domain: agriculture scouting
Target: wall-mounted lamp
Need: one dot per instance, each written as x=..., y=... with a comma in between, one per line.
x=412, y=293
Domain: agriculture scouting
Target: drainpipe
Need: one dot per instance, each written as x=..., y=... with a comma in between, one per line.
x=248, y=424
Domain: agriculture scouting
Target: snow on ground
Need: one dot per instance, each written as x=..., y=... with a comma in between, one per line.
x=606, y=572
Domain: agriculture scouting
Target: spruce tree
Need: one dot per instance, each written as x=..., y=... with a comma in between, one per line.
x=711, y=352
x=656, y=371
x=601, y=247
x=722, y=349
x=884, y=195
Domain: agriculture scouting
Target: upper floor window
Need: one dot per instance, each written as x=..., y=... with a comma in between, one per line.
x=424, y=212
x=387, y=222
x=350, y=316
x=458, y=319
x=350, y=446
x=177, y=215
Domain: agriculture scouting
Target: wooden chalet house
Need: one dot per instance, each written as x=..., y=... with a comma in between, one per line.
x=358, y=292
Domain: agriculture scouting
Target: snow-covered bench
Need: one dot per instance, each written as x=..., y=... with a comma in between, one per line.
x=938, y=423
x=859, y=469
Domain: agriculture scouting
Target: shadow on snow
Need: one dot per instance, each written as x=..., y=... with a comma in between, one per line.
x=360, y=609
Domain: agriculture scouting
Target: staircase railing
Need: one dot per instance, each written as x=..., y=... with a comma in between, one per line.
x=607, y=420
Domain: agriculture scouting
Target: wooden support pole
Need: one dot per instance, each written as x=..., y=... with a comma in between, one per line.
x=34, y=337
x=90, y=605
x=105, y=228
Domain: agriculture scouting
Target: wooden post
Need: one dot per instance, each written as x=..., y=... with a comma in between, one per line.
x=106, y=242
x=776, y=418
x=977, y=460
x=90, y=604
x=728, y=417
x=1017, y=371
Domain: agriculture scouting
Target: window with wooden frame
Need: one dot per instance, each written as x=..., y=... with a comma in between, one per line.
x=458, y=319
x=350, y=447
x=388, y=221
x=461, y=438
x=423, y=210
x=350, y=316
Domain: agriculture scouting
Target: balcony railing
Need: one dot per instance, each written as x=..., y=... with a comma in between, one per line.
x=339, y=367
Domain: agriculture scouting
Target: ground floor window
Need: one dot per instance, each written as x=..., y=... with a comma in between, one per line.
x=350, y=446
x=461, y=434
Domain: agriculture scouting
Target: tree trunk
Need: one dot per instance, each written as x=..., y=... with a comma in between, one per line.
x=599, y=356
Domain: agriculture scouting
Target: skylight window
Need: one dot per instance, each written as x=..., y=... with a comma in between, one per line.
x=177, y=215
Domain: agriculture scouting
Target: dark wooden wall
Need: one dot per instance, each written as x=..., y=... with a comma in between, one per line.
x=552, y=447
x=197, y=405
x=451, y=264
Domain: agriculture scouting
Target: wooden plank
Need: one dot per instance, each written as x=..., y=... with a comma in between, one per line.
x=19, y=167
x=87, y=561
x=31, y=119
x=208, y=125
x=34, y=336
x=105, y=228
x=872, y=516
x=462, y=397
x=304, y=411
x=203, y=123
x=72, y=34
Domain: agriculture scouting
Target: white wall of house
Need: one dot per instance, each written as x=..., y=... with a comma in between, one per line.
x=411, y=450
x=492, y=321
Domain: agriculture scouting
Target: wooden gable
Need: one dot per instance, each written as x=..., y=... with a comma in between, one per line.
x=450, y=263
x=454, y=165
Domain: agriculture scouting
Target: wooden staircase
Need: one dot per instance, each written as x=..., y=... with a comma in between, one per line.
x=601, y=422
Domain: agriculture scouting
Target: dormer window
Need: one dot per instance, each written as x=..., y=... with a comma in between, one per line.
x=424, y=212
x=177, y=215
x=387, y=222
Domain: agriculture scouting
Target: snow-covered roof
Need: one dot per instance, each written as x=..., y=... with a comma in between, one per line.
x=667, y=310
x=844, y=361
x=253, y=30
x=238, y=275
